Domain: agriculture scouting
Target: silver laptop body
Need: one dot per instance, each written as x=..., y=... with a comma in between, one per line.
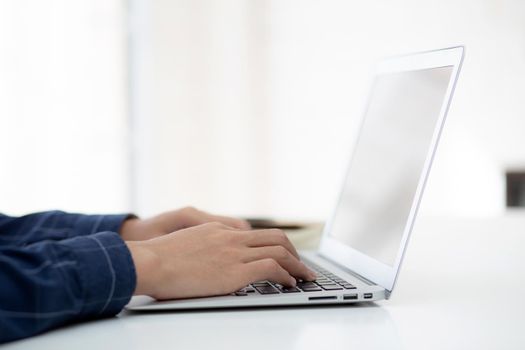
x=363, y=243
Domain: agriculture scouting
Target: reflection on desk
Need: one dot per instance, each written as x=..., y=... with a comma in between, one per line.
x=279, y=328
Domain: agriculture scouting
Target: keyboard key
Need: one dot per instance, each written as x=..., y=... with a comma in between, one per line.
x=348, y=286
x=312, y=289
x=267, y=290
x=289, y=290
x=241, y=294
x=260, y=284
x=331, y=287
x=249, y=290
x=306, y=284
x=324, y=282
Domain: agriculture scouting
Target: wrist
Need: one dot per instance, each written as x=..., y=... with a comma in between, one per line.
x=146, y=268
x=130, y=231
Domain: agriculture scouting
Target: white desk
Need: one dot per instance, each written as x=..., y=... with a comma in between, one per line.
x=462, y=287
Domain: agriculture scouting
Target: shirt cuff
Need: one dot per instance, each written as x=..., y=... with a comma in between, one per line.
x=105, y=270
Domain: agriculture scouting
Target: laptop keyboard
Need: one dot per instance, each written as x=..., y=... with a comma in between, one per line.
x=325, y=281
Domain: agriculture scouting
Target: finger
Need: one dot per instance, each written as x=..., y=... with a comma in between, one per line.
x=193, y=217
x=233, y=222
x=268, y=269
x=286, y=259
x=270, y=237
x=196, y=217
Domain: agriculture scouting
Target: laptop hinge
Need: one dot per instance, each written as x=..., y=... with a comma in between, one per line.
x=387, y=294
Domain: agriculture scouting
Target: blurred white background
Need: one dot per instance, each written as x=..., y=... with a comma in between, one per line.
x=240, y=107
x=63, y=106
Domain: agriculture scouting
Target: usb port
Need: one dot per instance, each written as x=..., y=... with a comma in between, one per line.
x=350, y=297
x=367, y=295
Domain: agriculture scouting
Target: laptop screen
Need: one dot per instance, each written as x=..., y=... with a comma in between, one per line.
x=388, y=161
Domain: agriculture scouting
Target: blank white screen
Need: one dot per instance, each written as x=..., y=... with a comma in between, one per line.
x=388, y=160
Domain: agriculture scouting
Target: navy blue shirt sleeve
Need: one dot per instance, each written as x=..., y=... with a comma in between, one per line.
x=55, y=225
x=58, y=280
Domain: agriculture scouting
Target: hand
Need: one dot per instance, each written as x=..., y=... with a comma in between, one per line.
x=214, y=259
x=137, y=229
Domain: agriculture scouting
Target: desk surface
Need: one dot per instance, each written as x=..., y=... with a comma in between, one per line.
x=461, y=287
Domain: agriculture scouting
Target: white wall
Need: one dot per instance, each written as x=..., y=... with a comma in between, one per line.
x=63, y=119
x=250, y=107
x=200, y=108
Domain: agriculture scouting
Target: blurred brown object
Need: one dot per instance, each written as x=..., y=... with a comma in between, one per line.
x=303, y=234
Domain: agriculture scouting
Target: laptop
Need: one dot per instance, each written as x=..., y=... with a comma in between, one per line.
x=363, y=243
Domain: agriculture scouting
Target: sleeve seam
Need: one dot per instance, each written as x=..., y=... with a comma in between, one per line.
x=112, y=271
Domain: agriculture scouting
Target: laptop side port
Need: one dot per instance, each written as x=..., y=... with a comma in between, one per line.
x=350, y=297
x=328, y=297
x=368, y=295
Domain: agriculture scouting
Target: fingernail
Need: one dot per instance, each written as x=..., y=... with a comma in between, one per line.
x=293, y=282
x=313, y=275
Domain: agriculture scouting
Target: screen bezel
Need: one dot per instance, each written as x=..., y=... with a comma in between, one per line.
x=366, y=266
